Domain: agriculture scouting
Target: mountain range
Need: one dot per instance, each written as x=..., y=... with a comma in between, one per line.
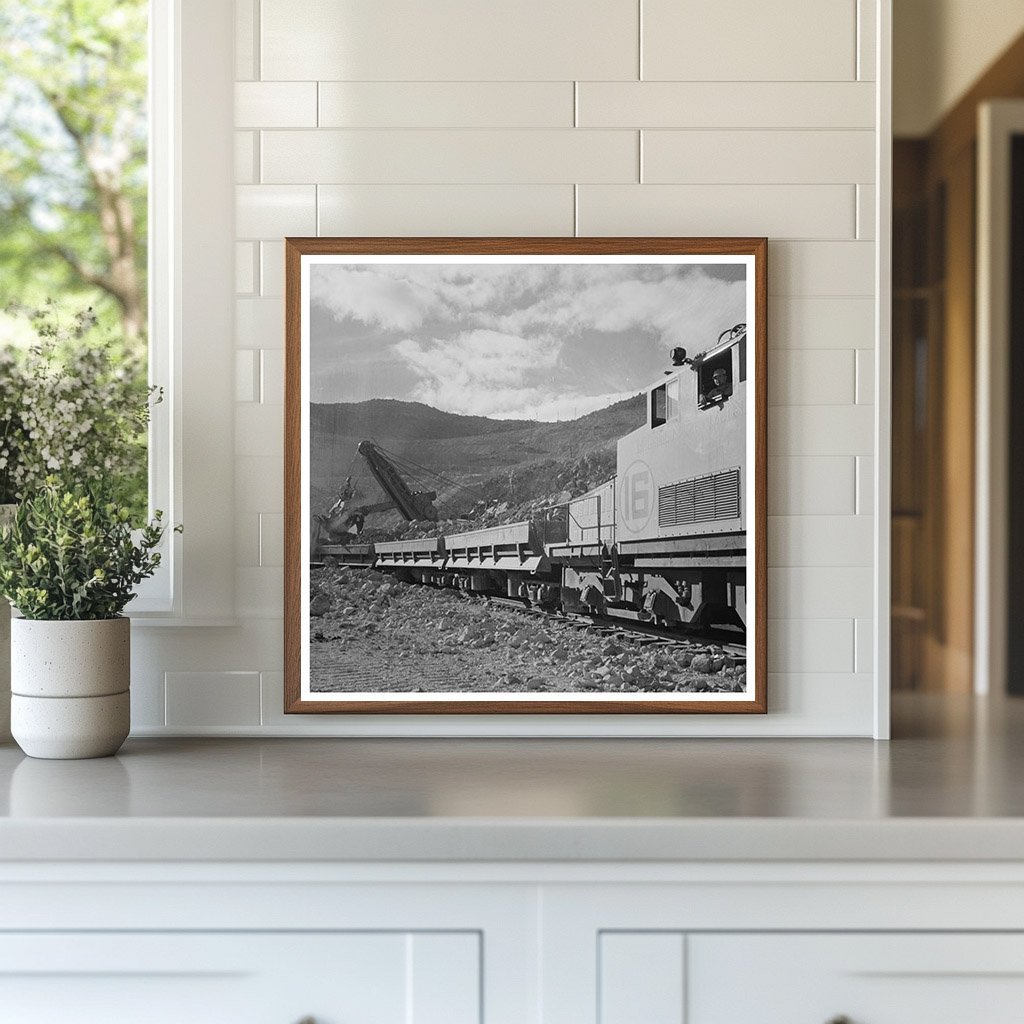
x=466, y=451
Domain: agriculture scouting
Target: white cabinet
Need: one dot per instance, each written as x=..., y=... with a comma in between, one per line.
x=263, y=944
x=786, y=943
x=641, y=977
x=435, y=978
x=511, y=943
x=906, y=978
x=241, y=978
x=869, y=979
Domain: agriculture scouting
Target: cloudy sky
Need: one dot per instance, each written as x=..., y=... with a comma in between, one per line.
x=536, y=341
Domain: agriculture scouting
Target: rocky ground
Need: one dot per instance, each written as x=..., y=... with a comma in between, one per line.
x=369, y=632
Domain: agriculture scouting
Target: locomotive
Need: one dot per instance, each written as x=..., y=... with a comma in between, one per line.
x=663, y=542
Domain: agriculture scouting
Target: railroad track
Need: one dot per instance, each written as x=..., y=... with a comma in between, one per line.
x=652, y=635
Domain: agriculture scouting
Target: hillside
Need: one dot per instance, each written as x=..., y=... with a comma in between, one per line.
x=381, y=417
x=477, y=454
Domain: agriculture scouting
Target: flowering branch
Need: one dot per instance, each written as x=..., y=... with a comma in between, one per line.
x=69, y=408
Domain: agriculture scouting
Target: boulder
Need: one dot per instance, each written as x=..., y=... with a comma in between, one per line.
x=701, y=663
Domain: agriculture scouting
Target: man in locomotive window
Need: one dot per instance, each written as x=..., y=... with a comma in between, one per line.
x=719, y=379
x=716, y=384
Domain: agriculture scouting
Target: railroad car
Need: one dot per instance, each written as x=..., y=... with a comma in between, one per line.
x=419, y=560
x=665, y=539
x=662, y=542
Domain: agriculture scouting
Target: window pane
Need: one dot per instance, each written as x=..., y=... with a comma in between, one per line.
x=658, y=406
x=73, y=181
x=672, y=399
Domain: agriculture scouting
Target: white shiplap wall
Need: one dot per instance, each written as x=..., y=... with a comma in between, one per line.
x=555, y=117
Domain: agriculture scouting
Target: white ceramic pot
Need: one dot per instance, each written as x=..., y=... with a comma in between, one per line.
x=6, y=515
x=69, y=683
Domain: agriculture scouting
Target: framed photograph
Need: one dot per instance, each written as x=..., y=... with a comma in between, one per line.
x=525, y=475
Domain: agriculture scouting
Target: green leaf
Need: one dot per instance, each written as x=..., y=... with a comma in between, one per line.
x=49, y=572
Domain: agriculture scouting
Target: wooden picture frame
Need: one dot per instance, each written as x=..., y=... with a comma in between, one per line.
x=407, y=593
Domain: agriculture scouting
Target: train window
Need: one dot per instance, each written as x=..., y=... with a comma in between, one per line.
x=672, y=398
x=659, y=406
x=665, y=402
x=714, y=380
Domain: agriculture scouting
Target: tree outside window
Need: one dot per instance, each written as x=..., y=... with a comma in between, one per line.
x=73, y=170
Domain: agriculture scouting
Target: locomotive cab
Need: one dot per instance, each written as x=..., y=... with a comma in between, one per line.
x=721, y=369
x=680, y=488
x=683, y=472
x=664, y=541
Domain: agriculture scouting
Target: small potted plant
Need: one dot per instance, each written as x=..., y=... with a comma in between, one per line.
x=69, y=563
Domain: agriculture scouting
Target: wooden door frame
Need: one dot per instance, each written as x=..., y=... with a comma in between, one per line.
x=998, y=121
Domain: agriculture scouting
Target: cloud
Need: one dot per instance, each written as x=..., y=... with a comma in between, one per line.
x=363, y=295
x=541, y=340
x=481, y=372
x=686, y=305
x=487, y=373
x=564, y=407
x=460, y=287
x=689, y=310
x=402, y=297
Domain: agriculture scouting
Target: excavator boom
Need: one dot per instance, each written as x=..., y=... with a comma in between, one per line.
x=412, y=505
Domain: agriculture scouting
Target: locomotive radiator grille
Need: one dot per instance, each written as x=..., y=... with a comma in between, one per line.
x=701, y=499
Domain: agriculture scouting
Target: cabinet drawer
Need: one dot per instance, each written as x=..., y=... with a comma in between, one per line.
x=242, y=978
x=866, y=978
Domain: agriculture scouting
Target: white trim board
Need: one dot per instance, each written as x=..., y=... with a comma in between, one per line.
x=191, y=311
x=883, y=368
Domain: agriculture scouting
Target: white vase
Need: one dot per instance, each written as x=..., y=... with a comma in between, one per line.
x=69, y=686
x=6, y=516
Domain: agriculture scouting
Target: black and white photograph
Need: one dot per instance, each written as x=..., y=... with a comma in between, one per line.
x=527, y=478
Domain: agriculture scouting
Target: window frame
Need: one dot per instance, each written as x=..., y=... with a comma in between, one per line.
x=191, y=298
x=157, y=595
x=671, y=403
x=659, y=420
x=726, y=359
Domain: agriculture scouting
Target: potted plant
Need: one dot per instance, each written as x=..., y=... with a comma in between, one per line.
x=69, y=563
x=73, y=406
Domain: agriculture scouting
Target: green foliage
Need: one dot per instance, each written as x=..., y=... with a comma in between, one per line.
x=73, y=217
x=75, y=408
x=73, y=155
x=71, y=554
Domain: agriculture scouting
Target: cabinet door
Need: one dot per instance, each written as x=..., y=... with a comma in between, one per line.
x=862, y=978
x=241, y=978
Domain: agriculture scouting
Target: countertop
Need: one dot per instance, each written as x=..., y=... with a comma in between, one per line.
x=949, y=786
